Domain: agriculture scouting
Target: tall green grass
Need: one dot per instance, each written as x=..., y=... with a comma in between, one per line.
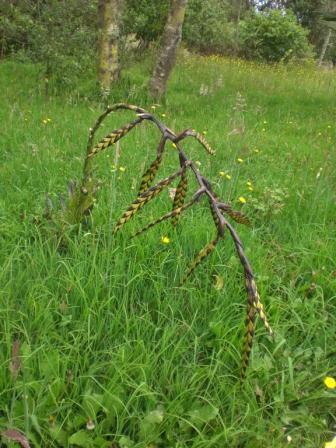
x=112, y=353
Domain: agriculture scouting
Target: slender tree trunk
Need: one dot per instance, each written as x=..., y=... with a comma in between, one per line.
x=109, y=27
x=171, y=39
x=324, y=47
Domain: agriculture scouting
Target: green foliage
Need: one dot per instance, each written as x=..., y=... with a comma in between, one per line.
x=106, y=340
x=16, y=25
x=60, y=35
x=207, y=29
x=268, y=203
x=146, y=18
x=273, y=36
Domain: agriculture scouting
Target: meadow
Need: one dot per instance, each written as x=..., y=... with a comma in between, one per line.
x=99, y=345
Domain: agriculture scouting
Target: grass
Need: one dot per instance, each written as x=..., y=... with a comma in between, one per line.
x=109, y=351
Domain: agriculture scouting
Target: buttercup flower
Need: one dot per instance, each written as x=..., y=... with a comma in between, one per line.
x=331, y=444
x=242, y=200
x=165, y=240
x=330, y=382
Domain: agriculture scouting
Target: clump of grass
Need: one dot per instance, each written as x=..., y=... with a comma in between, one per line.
x=106, y=358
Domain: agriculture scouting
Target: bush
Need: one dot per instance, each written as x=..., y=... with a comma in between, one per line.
x=62, y=40
x=206, y=28
x=274, y=36
x=146, y=19
x=15, y=27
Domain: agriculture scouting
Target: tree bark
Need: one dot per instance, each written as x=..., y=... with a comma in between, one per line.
x=171, y=39
x=324, y=47
x=109, y=27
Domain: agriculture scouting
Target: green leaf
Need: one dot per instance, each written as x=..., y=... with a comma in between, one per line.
x=92, y=404
x=204, y=414
x=58, y=434
x=125, y=442
x=81, y=438
x=155, y=417
x=49, y=364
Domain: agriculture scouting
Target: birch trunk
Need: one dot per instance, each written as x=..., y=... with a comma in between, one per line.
x=324, y=47
x=108, y=61
x=171, y=39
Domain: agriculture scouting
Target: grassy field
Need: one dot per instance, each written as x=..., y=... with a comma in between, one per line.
x=99, y=347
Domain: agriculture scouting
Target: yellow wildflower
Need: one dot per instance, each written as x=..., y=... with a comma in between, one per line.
x=204, y=132
x=122, y=169
x=173, y=145
x=163, y=115
x=250, y=188
x=239, y=160
x=49, y=120
x=242, y=200
x=249, y=184
x=331, y=444
x=228, y=176
x=44, y=121
x=221, y=173
x=165, y=240
x=330, y=382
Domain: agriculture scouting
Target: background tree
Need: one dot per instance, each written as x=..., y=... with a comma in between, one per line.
x=146, y=19
x=109, y=12
x=329, y=19
x=170, y=41
x=274, y=36
x=59, y=35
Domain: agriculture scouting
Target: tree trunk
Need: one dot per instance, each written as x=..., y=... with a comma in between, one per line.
x=108, y=60
x=324, y=47
x=171, y=39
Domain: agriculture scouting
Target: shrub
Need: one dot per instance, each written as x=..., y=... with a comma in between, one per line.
x=146, y=19
x=274, y=36
x=15, y=27
x=207, y=29
x=61, y=39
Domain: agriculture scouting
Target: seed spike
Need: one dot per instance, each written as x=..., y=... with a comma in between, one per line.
x=180, y=195
x=172, y=214
x=112, y=138
x=249, y=279
x=249, y=334
x=199, y=258
x=150, y=174
x=199, y=137
x=252, y=289
x=143, y=199
x=234, y=214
